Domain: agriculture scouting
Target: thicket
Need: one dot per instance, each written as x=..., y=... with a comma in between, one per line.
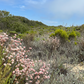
x=65, y=34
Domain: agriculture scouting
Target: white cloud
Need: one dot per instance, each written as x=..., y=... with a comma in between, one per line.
x=66, y=8
x=49, y=22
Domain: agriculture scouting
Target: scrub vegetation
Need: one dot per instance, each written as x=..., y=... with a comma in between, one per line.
x=34, y=53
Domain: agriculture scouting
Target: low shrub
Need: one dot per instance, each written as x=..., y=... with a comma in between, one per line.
x=61, y=33
x=73, y=34
x=81, y=52
x=27, y=39
x=65, y=34
x=31, y=32
x=51, y=44
x=22, y=69
x=12, y=33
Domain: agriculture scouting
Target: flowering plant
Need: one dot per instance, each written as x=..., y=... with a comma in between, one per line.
x=21, y=66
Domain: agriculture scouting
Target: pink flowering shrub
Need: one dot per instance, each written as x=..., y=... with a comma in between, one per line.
x=22, y=67
x=51, y=44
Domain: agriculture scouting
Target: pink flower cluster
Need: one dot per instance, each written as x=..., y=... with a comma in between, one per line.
x=3, y=38
x=32, y=71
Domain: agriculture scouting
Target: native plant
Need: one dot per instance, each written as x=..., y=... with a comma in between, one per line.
x=16, y=61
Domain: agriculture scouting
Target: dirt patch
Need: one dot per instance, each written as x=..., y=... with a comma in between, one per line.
x=77, y=70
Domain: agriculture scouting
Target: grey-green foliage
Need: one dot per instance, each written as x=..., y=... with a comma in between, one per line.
x=62, y=79
x=12, y=79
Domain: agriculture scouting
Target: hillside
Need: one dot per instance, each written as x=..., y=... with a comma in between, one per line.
x=17, y=23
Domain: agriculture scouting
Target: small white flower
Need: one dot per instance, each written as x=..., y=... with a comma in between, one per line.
x=4, y=64
x=3, y=59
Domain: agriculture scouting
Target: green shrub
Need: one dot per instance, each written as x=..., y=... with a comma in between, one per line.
x=51, y=35
x=73, y=34
x=31, y=32
x=61, y=33
x=19, y=27
x=75, y=43
x=12, y=32
x=20, y=35
x=77, y=33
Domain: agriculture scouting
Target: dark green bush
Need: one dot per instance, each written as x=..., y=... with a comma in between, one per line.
x=19, y=27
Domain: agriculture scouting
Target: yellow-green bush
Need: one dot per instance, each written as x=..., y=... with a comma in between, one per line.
x=65, y=34
x=75, y=43
x=73, y=34
x=61, y=33
x=51, y=35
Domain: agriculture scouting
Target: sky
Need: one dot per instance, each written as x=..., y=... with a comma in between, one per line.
x=49, y=12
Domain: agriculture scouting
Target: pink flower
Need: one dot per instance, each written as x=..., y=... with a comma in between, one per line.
x=24, y=47
x=9, y=64
x=30, y=48
x=40, y=72
x=13, y=72
x=36, y=72
x=26, y=83
x=26, y=56
x=4, y=33
x=38, y=82
x=18, y=38
x=15, y=34
x=26, y=78
x=21, y=39
x=30, y=81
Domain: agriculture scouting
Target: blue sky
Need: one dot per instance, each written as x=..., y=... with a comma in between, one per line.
x=50, y=12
